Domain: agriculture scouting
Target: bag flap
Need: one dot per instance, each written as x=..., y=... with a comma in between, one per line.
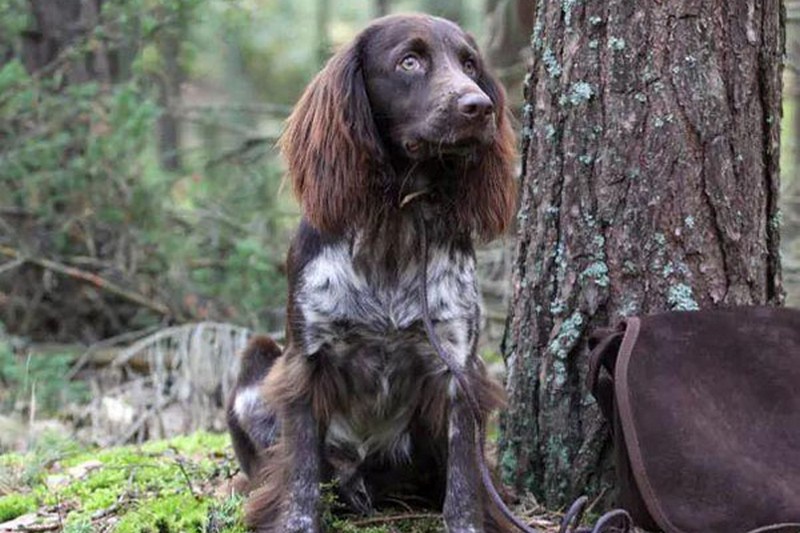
x=710, y=413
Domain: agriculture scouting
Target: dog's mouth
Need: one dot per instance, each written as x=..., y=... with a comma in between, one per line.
x=427, y=149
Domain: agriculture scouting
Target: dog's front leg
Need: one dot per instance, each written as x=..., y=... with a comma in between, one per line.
x=462, y=505
x=303, y=500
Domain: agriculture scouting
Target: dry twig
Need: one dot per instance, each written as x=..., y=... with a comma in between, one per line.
x=88, y=277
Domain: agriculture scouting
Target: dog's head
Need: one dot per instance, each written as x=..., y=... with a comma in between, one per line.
x=409, y=90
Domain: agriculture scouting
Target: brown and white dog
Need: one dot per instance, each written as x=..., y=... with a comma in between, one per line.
x=403, y=125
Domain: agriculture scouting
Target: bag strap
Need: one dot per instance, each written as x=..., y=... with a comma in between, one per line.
x=614, y=521
x=793, y=527
x=604, y=345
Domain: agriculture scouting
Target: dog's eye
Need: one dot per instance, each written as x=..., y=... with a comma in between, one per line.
x=470, y=68
x=410, y=63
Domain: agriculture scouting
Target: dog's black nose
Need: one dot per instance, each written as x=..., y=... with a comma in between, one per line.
x=475, y=105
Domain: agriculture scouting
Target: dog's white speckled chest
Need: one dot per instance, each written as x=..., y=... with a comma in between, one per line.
x=334, y=294
x=370, y=323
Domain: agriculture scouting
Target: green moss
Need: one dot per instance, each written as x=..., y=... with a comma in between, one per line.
x=12, y=460
x=81, y=526
x=616, y=43
x=776, y=221
x=568, y=336
x=163, y=486
x=176, y=513
x=681, y=298
x=15, y=505
x=536, y=36
x=566, y=8
x=527, y=111
x=150, y=484
x=227, y=516
x=551, y=63
x=196, y=443
x=597, y=272
x=580, y=92
x=628, y=308
x=558, y=457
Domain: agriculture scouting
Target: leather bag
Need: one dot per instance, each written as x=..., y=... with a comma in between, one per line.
x=705, y=415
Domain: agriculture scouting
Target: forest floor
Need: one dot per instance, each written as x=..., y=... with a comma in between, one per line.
x=179, y=485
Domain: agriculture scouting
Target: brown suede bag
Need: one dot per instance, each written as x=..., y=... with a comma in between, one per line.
x=705, y=414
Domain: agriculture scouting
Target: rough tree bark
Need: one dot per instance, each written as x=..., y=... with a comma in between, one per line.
x=650, y=182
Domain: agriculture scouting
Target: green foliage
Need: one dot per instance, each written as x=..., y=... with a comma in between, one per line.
x=14, y=19
x=176, y=513
x=84, y=526
x=37, y=378
x=15, y=505
x=79, y=160
x=227, y=515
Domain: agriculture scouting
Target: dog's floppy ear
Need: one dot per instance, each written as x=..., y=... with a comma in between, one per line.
x=487, y=201
x=332, y=146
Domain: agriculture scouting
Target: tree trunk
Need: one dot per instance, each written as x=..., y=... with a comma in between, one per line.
x=449, y=9
x=509, y=24
x=381, y=8
x=169, y=92
x=56, y=26
x=650, y=182
x=509, y=27
x=323, y=37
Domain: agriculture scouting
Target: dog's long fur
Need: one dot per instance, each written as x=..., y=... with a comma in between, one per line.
x=359, y=395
